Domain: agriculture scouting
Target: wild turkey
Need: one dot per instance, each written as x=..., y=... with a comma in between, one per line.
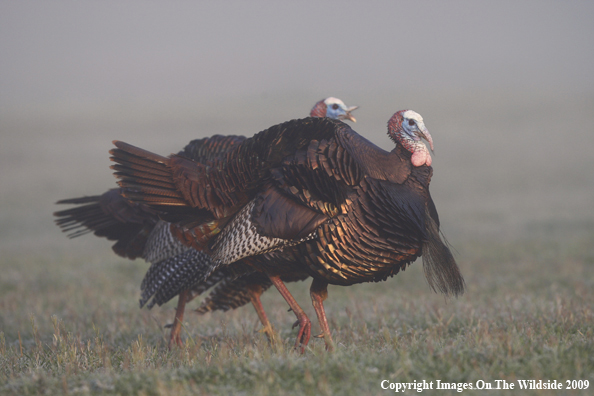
x=306, y=196
x=139, y=232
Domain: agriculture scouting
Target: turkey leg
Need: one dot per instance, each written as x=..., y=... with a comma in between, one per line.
x=319, y=292
x=302, y=319
x=255, y=292
x=175, y=337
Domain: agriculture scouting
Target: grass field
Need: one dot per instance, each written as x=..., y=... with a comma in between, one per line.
x=522, y=227
x=71, y=326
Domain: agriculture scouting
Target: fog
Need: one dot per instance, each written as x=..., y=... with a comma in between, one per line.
x=150, y=53
x=506, y=89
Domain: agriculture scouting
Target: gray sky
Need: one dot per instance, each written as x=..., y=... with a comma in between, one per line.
x=74, y=53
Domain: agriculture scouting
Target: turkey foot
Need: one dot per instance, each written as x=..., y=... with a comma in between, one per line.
x=304, y=331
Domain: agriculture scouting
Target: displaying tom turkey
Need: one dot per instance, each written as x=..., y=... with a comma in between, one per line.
x=306, y=196
x=139, y=233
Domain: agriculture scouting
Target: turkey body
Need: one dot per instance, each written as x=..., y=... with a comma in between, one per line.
x=317, y=199
x=379, y=226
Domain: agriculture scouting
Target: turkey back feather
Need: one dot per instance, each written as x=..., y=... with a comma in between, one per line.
x=207, y=150
x=377, y=163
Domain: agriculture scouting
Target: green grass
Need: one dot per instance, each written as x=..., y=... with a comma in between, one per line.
x=69, y=317
x=70, y=324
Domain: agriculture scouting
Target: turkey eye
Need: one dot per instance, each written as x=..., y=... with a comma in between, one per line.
x=411, y=122
x=335, y=106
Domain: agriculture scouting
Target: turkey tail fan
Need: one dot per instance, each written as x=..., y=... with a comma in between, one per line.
x=111, y=216
x=441, y=271
x=166, y=279
x=82, y=220
x=145, y=176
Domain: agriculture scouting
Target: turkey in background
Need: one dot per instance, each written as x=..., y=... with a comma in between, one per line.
x=139, y=233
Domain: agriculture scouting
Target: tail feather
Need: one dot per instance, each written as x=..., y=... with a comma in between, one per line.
x=132, y=176
x=88, y=226
x=80, y=200
x=141, y=164
x=146, y=177
x=83, y=219
x=138, y=152
x=138, y=178
x=111, y=216
x=80, y=231
x=89, y=218
x=441, y=271
x=90, y=212
x=133, y=182
x=153, y=199
x=136, y=170
x=141, y=176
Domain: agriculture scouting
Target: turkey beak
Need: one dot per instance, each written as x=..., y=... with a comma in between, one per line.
x=348, y=115
x=424, y=134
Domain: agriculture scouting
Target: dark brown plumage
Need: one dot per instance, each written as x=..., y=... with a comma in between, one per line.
x=139, y=233
x=112, y=216
x=331, y=204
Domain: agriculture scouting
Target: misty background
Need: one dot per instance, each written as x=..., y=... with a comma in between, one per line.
x=506, y=89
